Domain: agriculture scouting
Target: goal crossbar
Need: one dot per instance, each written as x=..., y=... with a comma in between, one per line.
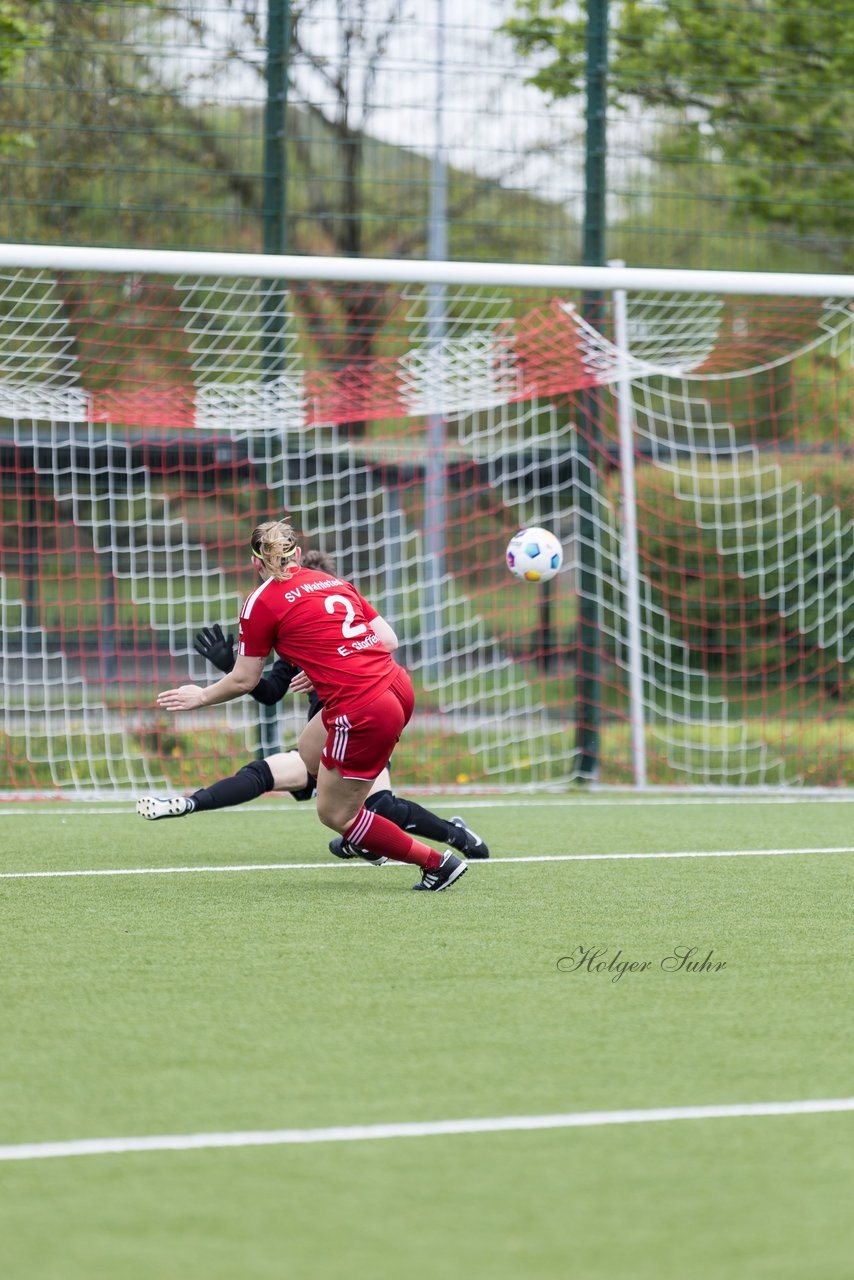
x=411, y=271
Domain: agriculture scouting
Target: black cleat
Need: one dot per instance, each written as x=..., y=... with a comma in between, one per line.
x=473, y=847
x=449, y=869
x=342, y=848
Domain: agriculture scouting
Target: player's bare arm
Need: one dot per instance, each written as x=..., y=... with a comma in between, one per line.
x=242, y=679
x=385, y=634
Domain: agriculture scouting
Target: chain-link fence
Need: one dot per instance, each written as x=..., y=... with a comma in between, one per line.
x=353, y=126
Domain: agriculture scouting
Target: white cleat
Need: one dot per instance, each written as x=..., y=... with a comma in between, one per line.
x=154, y=807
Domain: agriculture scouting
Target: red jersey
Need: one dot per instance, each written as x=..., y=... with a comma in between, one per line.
x=319, y=623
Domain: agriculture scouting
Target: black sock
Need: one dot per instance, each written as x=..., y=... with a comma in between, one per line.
x=247, y=784
x=410, y=816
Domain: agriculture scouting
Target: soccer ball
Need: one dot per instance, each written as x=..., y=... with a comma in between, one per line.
x=534, y=554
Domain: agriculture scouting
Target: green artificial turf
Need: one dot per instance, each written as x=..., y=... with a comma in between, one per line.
x=331, y=995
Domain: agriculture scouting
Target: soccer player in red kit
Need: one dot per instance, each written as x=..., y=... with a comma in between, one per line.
x=320, y=623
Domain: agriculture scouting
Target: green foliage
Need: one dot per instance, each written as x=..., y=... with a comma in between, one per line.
x=122, y=154
x=131, y=147
x=17, y=33
x=758, y=88
x=691, y=219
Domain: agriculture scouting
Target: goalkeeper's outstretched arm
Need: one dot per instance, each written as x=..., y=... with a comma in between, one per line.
x=271, y=688
x=218, y=649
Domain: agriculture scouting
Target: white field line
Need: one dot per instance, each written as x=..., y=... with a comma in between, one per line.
x=344, y=865
x=425, y=1129
x=48, y=809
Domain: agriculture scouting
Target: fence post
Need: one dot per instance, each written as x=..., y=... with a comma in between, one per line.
x=436, y=461
x=275, y=222
x=588, y=701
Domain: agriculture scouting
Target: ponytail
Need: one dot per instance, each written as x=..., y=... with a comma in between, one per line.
x=276, y=546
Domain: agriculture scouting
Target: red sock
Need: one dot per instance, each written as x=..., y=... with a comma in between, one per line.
x=377, y=835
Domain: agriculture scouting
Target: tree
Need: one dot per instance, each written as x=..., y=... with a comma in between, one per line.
x=763, y=88
x=16, y=34
x=146, y=124
x=147, y=128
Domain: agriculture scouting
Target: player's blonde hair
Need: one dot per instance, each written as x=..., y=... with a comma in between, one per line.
x=275, y=544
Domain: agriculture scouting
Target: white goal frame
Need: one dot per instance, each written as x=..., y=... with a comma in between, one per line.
x=615, y=279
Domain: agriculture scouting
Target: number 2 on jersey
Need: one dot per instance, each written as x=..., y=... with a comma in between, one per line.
x=349, y=628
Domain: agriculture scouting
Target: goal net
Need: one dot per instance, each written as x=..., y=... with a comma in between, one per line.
x=691, y=449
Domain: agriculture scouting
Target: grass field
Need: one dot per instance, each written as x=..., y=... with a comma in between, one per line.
x=262, y=995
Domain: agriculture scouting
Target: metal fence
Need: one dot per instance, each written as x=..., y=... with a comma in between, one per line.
x=357, y=127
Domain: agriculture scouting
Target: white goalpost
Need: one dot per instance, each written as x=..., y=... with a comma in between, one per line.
x=689, y=436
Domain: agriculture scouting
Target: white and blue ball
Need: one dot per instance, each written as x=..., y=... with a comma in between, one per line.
x=534, y=555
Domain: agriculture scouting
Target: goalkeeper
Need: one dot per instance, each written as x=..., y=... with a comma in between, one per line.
x=285, y=770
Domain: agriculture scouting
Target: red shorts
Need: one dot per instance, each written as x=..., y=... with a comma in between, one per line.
x=360, y=745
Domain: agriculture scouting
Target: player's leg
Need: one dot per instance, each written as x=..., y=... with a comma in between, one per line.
x=382, y=782
x=413, y=817
x=423, y=822
x=339, y=799
x=311, y=742
x=340, y=805
x=341, y=846
x=288, y=770
x=356, y=751
x=284, y=771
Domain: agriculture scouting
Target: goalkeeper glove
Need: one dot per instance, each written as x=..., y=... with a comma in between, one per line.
x=217, y=648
